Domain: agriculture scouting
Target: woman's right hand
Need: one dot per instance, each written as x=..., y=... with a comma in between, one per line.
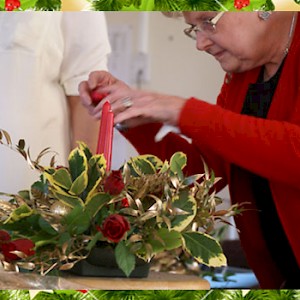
x=130, y=107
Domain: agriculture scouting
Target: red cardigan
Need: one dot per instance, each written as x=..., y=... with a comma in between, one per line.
x=268, y=147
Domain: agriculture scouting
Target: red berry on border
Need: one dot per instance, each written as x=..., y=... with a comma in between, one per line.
x=10, y=5
x=239, y=4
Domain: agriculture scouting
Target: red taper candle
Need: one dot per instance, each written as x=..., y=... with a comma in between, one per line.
x=105, y=138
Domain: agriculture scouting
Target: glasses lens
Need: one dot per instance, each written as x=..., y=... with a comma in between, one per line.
x=208, y=27
x=190, y=32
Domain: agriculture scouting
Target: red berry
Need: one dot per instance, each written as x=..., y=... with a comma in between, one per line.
x=83, y=291
x=12, y=4
x=239, y=4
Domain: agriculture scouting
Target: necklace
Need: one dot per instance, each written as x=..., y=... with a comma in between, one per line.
x=268, y=73
x=287, y=48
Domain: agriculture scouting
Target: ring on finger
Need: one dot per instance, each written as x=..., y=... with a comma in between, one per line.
x=121, y=127
x=127, y=102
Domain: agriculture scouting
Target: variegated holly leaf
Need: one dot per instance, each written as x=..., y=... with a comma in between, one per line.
x=204, y=248
x=184, y=210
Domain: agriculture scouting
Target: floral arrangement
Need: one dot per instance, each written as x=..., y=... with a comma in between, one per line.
x=147, y=207
x=146, y=5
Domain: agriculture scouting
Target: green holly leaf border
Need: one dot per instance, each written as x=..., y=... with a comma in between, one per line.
x=37, y=5
x=149, y=5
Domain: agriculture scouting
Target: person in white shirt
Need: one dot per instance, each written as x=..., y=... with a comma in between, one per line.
x=43, y=57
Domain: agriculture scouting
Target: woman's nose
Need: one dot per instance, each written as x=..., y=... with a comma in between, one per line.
x=203, y=42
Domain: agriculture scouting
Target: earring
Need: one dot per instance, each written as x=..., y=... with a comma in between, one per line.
x=264, y=15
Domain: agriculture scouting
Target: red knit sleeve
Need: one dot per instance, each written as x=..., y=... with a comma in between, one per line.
x=269, y=148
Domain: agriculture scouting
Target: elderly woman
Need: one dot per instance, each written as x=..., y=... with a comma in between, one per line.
x=250, y=138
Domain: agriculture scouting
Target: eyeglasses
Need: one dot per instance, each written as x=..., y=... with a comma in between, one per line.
x=208, y=27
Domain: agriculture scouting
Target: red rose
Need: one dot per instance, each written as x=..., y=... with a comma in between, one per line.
x=114, y=227
x=114, y=183
x=23, y=245
x=4, y=238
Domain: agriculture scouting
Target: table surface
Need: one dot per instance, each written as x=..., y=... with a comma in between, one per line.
x=155, y=281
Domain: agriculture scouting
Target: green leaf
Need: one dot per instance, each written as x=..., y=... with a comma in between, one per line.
x=48, y=4
x=154, y=160
x=107, y=5
x=62, y=178
x=191, y=179
x=77, y=221
x=178, y=5
x=87, y=152
x=80, y=184
x=64, y=238
x=45, y=226
x=40, y=186
x=144, y=164
x=67, y=199
x=168, y=5
x=186, y=206
x=94, y=204
x=19, y=213
x=93, y=241
x=27, y=225
x=24, y=194
x=39, y=242
x=43, y=295
x=97, y=166
x=204, y=249
x=125, y=259
x=165, y=167
x=77, y=163
x=14, y=295
x=202, y=5
x=26, y=4
x=164, y=239
x=141, y=165
x=178, y=162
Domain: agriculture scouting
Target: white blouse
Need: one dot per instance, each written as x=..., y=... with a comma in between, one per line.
x=43, y=57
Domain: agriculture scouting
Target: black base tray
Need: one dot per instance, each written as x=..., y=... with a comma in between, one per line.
x=84, y=268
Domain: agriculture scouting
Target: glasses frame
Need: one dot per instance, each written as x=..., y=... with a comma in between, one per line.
x=196, y=28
